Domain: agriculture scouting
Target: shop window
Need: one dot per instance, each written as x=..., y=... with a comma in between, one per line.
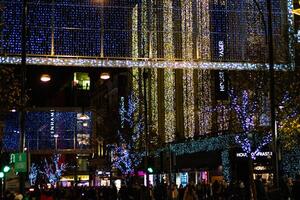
x=81, y=81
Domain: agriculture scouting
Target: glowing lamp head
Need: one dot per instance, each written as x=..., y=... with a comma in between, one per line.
x=104, y=76
x=45, y=78
x=1, y=174
x=6, y=169
x=83, y=116
x=150, y=170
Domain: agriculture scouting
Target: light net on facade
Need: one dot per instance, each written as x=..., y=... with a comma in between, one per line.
x=206, y=30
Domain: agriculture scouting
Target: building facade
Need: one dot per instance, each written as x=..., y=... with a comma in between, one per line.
x=186, y=46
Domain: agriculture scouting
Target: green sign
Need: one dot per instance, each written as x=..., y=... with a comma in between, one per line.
x=20, y=160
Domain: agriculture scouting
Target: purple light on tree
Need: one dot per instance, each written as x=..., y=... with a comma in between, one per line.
x=245, y=112
x=53, y=170
x=125, y=155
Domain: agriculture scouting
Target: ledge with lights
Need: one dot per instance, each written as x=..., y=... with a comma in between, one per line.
x=137, y=63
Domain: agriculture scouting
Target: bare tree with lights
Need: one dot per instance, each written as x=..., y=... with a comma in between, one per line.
x=126, y=154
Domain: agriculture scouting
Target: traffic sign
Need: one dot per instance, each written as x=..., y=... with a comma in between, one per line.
x=20, y=160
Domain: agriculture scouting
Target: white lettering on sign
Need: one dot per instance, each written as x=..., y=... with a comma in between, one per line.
x=259, y=154
x=52, y=123
x=240, y=155
x=221, y=48
x=264, y=154
x=222, y=81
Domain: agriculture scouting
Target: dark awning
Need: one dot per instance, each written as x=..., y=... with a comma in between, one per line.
x=210, y=159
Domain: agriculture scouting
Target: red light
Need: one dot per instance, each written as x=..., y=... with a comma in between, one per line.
x=141, y=173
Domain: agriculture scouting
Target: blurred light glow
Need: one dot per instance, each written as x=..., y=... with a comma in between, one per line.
x=6, y=169
x=45, y=78
x=105, y=76
x=83, y=116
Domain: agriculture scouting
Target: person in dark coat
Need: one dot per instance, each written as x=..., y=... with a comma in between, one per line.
x=260, y=188
x=296, y=188
x=123, y=193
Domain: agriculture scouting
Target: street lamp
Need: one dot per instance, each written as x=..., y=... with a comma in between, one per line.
x=145, y=75
x=83, y=117
x=45, y=78
x=23, y=87
x=269, y=34
x=105, y=76
x=2, y=176
x=56, y=137
x=13, y=110
x=6, y=169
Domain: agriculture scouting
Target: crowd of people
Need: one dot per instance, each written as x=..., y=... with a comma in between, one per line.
x=218, y=190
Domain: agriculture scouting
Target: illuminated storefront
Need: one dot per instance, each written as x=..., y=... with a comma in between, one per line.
x=68, y=181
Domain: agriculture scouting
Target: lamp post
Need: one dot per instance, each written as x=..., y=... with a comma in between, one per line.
x=56, y=137
x=269, y=37
x=2, y=176
x=23, y=87
x=145, y=77
x=272, y=92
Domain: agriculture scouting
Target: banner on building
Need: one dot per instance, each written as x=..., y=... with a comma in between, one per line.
x=221, y=85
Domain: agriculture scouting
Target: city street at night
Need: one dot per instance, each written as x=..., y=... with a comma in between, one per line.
x=149, y=100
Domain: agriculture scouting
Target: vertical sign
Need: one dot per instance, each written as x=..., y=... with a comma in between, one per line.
x=52, y=123
x=221, y=85
x=218, y=17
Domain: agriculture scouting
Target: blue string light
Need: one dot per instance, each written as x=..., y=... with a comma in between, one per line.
x=53, y=170
x=290, y=162
x=73, y=28
x=33, y=173
x=37, y=130
x=126, y=155
x=226, y=165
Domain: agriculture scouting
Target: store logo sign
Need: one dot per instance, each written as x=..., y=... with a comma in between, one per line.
x=258, y=154
x=52, y=123
x=221, y=48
